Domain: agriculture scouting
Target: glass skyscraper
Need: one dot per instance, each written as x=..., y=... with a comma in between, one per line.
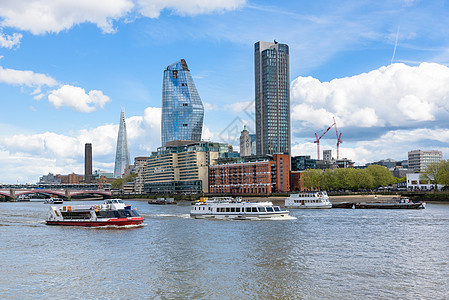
x=182, y=109
x=272, y=88
x=121, y=154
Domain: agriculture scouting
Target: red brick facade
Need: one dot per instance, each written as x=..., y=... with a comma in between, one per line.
x=262, y=177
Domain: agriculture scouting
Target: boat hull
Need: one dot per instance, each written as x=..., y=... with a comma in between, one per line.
x=324, y=206
x=110, y=222
x=388, y=205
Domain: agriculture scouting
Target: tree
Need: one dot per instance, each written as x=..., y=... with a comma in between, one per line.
x=437, y=173
x=381, y=175
x=312, y=178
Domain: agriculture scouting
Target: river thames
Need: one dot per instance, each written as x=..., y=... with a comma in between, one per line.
x=318, y=254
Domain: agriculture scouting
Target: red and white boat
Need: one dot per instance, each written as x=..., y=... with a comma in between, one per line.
x=113, y=212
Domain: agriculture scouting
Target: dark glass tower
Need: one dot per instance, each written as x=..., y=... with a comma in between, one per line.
x=182, y=109
x=272, y=87
x=121, y=154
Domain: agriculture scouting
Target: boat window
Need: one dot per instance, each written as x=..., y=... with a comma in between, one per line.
x=237, y=209
x=270, y=209
x=277, y=208
x=227, y=209
x=254, y=209
x=248, y=209
x=120, y=201
x=261, y=209
x=232, y=209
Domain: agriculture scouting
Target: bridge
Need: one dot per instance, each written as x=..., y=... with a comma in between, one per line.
x=66, y=194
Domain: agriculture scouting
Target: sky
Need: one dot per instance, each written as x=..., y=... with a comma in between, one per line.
x=67, y=68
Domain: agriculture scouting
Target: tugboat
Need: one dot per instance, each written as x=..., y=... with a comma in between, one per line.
x=237, y=209
x=111, y=212
x=308, y=200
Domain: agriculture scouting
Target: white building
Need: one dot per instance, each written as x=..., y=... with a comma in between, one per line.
x=418, y=159
x=414, y=182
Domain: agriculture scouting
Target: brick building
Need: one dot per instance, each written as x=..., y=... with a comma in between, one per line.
x=266, y=176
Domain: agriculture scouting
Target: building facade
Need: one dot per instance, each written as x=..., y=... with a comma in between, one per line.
x=121, y=153
x=264, y=176
x=415, y=182
x=327, y=155
x=418, y=159
x=303, y=162
x=245, y=143
x=272, y=98
x=87, y=163
x=181, y=168
x=182, y=109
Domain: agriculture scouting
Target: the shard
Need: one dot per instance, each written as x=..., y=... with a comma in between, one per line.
x=121, y=154
x=182, y=109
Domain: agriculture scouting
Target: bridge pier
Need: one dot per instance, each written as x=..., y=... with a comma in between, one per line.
x=68, y=196
x=12, y=195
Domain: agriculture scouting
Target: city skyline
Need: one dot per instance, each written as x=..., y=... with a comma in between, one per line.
x=379, y=68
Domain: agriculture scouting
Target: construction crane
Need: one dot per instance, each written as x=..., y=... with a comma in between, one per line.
x=317, y=141
x=339, y=140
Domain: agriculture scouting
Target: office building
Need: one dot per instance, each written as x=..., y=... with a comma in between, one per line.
x=327, y=155
x=272, y=98
x=182, y=109
x=302, y=162
x=245, y=142
x=418, y=159
x=181, y=167
x=87, y=163
x=253, y=143
x=121, y=154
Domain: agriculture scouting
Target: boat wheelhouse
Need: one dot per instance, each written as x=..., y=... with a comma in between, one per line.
x=318, y=199
x=111, y=212
x=229, y=208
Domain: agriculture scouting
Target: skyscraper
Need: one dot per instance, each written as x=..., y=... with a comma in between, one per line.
x=121, y=154
x=182, y=109
x=272, y=87
x=87, y=162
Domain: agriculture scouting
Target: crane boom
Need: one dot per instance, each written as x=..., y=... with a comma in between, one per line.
x=317, y=141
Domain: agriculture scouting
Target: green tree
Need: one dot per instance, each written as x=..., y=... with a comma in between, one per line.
x=312, y=178
x=437, y=173
x=381, y=175
x=117, y=184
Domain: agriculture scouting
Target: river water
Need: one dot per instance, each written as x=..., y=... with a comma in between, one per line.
x=319, y=254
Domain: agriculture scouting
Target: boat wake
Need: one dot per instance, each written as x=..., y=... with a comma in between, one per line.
x=184, y=216
x=117, y=226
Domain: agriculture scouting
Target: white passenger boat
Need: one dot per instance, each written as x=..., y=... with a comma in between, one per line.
x=229, y=208
x=111, y=212
x=308, y=200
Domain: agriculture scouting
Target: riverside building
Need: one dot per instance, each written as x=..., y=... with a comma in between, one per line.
x=121, y=153
x=262, y=174
x=418, y=159
x=182, y=109
x=182, y=167
x=272, y=98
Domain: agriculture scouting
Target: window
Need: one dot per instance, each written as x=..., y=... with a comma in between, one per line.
x=261, y=209
x=269, y=209
x=254, y=209
x=175, y=74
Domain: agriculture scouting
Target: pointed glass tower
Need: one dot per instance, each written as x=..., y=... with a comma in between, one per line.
x=121, y=154
x=182, y=109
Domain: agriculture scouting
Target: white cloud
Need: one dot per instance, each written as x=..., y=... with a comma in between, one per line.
x=9, y=41
x=44, y=16
x=77, y=99
x=152, y=8
x=210, y=107
x=26, y=157
x=240, y=106
x=27, y=78
x=397, y=95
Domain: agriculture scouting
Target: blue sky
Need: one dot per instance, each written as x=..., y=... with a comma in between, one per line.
x=67, y=69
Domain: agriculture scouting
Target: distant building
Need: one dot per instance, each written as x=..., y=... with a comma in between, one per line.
x=121, y=153
x=49, y=179
x=327, y=155
x=253, y=143
x=296, y=181
x=263, y=175
x=418, y=159
x=70, y=178
x=272, y=97
x=301, y=163
x=87, y=162
x=182, y=109
x=140, y=164
x=245, y=142
x=387, y=163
